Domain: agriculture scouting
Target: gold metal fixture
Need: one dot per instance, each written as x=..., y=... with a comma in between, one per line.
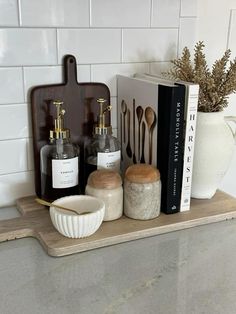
x=59, y=131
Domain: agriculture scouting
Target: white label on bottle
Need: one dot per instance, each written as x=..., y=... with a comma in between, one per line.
x=109, y=160
x=65, y=173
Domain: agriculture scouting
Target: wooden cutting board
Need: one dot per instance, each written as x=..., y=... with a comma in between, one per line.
x=35, y=222
x=80, y=103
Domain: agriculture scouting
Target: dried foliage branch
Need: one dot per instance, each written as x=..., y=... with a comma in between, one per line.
x=215, y=85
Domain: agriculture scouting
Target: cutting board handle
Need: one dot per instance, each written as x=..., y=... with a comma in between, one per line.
x=70, y=70
x=16, y=228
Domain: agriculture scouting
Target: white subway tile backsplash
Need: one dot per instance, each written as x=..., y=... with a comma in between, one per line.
x=114, y=112
x=122, y=13
x=83, y=73
x=187, y=34
x=13, y=186
x=188, y=8
x=90, y=45
x=14, y=121
x=34, y=76
x=140, y=45
x=106, y=73
x=157, y=68
x=23, y=46
x=60, y=13
x=13, y=157
x=9, y=13
x=165, y=13
x=30, y=154
x=11, y=85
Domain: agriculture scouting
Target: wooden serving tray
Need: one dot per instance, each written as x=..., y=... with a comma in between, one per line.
x=35, y=222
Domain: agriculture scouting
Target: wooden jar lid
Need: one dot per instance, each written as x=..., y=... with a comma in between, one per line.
x=104, y=179
x=142, y=173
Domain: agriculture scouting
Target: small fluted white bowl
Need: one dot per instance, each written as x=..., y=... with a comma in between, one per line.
x=70, y=224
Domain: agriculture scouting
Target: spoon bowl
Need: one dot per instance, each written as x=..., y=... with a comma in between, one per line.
x=150, y=117
x=139, y=113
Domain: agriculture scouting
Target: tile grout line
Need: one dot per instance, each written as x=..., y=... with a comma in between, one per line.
x=229, y=29
x=16, y=139
x=57, y=47
x=90, y=13
x=19, y=13
x=15, y=172
x=13, y=104
x=178, y=41
x=151, y=13
x=180, y=9
x=35, y=27
x=90, y=72
x=24, y=84
x=122, y=46
x=78, y=64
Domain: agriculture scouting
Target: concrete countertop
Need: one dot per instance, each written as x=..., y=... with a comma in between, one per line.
x=189, y=271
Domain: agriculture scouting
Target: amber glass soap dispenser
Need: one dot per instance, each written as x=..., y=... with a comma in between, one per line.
x=59, y=162
x=102, y=151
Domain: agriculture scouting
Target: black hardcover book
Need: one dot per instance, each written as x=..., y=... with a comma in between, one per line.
x=171, y=102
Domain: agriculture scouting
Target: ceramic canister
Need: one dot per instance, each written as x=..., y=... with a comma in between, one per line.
x=142, y=192
x=107, y=185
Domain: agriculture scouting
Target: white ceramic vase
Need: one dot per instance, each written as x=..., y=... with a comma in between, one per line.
x=214, y=146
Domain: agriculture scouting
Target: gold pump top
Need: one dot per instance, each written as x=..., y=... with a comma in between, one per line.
x=101, y=128
x=59, y=131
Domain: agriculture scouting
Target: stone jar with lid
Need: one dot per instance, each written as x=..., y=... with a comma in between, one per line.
x=142, y=192
x=107, y=185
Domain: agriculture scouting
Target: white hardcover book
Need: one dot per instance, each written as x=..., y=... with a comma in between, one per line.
x=190, y=116
x=190, y=131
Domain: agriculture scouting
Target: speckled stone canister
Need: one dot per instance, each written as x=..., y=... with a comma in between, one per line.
x=142, y=192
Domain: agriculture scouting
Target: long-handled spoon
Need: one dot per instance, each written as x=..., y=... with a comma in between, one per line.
x=139, y=113
x=142, y=159
x=134, y=137
x=124, y=110
x=128, y=147
x=150, y=117
x=121, y=135
x=45, y=203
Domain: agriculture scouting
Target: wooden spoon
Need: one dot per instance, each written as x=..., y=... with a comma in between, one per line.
x=150, y=117
x=139, y=113
x=128, y=147
x=121, y=135
x=45, y=203
x=142, y=159
x=124, y=110
x=134, y=135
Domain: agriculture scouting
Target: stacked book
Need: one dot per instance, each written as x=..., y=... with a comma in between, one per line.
x=156, y=125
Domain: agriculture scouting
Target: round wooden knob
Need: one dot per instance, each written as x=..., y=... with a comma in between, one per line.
x=142, y=173
x=104, y=179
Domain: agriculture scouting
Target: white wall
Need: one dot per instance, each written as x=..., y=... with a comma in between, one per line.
x=216, y=26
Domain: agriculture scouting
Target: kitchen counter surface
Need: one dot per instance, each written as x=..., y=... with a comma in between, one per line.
x=189, y=271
